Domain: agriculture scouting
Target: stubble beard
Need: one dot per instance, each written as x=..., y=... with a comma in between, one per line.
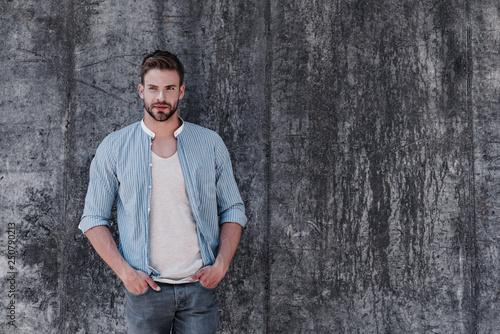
x=160, y=116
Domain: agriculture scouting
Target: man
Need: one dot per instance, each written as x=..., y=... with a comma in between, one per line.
x=179, y=212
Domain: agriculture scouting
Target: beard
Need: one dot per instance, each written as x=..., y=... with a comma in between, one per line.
x=161, y=116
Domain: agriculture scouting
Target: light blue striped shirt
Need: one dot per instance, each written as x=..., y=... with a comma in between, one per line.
x=121, y=170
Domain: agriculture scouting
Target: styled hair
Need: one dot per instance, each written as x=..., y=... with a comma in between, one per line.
x=162, y=60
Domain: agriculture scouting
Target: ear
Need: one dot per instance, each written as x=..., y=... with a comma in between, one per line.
x=181, y=92
x=141, y=91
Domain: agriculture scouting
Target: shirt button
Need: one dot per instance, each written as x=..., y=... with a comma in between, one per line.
x=149, y=209
x=149, y=187
x=150, y=165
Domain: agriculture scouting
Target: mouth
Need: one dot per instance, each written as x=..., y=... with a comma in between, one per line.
x=161, y=107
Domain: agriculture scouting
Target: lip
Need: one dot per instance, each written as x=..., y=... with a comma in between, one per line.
x=160, y=107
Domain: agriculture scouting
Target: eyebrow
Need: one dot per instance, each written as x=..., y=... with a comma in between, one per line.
x=152, y=85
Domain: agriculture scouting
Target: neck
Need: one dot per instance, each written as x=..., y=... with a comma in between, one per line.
x=162, y=129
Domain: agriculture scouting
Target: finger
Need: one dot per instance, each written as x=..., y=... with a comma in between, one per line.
x=205, y=285
x=197, y=275
x=153, y=284
x=142, y=290
x=209, y=284
x=137, y=289
x=207, y=281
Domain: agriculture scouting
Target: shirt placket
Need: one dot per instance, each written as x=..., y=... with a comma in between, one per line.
x=151, y=270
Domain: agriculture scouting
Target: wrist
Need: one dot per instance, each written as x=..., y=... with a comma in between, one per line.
x=125, y=271
x=221, y=264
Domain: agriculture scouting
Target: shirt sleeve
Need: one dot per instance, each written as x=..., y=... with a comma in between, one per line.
x=102, y=189
x=230, y=206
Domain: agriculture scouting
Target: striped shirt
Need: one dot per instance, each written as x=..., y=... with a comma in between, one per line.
x=121, y=171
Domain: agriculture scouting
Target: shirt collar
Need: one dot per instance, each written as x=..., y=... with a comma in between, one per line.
x=152, y=134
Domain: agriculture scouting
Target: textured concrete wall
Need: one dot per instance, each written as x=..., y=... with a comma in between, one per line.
x=364, y=135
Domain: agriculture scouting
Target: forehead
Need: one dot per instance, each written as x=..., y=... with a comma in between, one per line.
x=159, y=77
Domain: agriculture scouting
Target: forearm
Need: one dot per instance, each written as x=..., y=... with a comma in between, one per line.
x=210, y=276
x=104, y=244
x=134, y=280
x=229, y=239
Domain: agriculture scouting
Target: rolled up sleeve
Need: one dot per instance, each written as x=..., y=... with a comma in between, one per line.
x=102, y=189
x=230, y=206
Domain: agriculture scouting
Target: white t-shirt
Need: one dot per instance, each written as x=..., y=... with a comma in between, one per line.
x=173, y=242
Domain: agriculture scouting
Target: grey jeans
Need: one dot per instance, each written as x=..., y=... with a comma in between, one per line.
x=178, y=308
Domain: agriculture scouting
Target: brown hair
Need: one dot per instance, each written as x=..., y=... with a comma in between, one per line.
x=162, y=60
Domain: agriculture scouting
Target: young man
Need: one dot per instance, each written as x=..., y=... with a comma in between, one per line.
x=179, y=211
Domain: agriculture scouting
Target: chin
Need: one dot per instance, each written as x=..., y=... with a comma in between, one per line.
x=162, y=117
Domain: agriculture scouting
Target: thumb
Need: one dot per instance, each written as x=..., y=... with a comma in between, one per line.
x=197, y=275
x=153, y=284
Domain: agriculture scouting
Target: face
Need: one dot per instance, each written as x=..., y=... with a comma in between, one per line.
x=161, y=93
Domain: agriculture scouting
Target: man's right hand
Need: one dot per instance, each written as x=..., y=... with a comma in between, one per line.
x=137, y=282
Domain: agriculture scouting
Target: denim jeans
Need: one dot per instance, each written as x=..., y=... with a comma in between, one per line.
x=181, y=308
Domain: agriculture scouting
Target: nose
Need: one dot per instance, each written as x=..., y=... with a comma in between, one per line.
x=161, y=96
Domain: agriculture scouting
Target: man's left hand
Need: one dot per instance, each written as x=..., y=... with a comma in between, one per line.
x=209, y=276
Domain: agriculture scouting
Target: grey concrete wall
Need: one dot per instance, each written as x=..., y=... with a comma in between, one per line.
x=364, y=137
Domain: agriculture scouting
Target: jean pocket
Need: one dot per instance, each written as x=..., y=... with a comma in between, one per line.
x=137, y=294
x=204, y=287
